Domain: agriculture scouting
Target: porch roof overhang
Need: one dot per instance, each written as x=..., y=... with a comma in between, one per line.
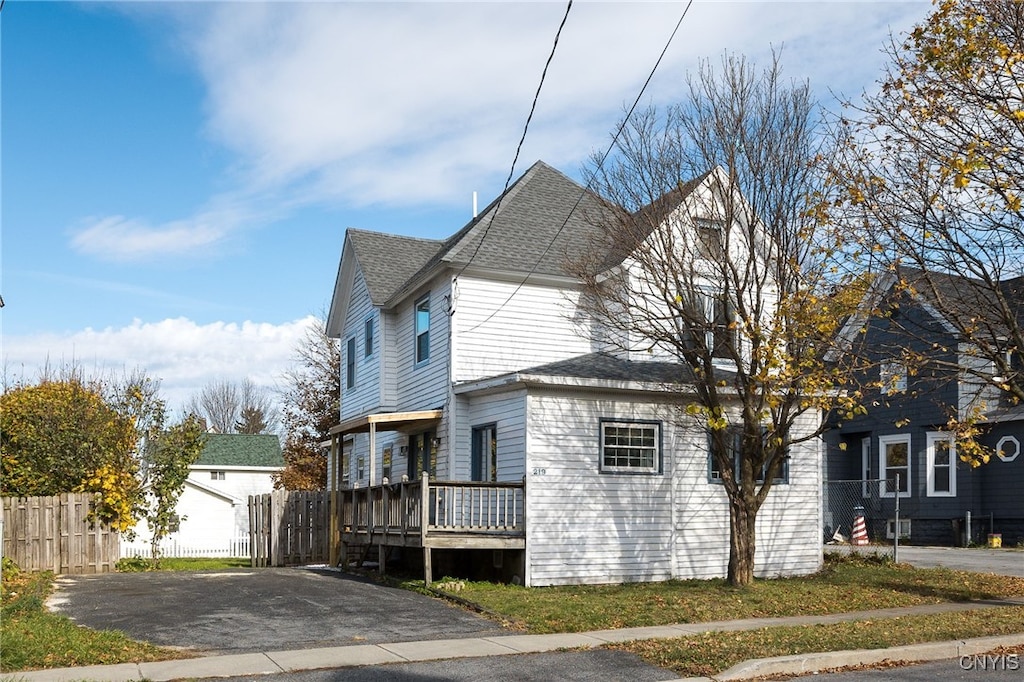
x=390, y=421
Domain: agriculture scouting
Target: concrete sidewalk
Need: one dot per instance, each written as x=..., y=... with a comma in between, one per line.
x=271, y=662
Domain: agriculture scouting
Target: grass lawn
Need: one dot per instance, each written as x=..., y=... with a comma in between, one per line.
x=31, y=637
x=713, y=652
x=844, y=584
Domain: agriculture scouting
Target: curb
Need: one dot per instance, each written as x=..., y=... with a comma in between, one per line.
x=911, y=653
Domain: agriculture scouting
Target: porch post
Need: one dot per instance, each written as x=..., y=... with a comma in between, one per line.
x=373, y=452
x=424, y=522
x=335, y=505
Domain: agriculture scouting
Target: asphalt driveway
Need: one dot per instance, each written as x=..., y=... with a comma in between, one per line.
x=259, y=610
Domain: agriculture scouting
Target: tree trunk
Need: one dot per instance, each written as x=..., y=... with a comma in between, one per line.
x=742, y=517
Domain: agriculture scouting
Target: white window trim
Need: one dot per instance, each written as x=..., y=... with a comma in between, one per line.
x=893, y=377
x=655, y=468
x=351, y=362
x=883, y=468
x=1002, y=442
x=934, y=437
x=372, y=323
x=890, y=528
x=416, y=332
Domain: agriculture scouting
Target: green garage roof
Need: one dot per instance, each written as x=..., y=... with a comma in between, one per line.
x=241, y=449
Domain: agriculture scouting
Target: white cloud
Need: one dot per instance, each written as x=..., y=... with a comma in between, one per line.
x=184, y=355
x=406, y=104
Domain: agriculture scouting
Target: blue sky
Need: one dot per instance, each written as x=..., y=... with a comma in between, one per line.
x=177, y=177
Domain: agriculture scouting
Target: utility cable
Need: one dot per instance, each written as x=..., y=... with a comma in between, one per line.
x=583, y=193
x=519, y=147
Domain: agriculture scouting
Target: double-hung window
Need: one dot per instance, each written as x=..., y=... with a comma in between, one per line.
x=422, y=329
x=350, y=363
x=710, y=238
x=708, y=322
x=893, y=462
x=734, y=443
x=893, y=377
x=631, y=446
x=941, y=470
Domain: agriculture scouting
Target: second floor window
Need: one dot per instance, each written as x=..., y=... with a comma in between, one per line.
x=893, y=377
x=710, y=241
x=368, y=337
x=709, y=324
x=422, y=323
x=350, y=363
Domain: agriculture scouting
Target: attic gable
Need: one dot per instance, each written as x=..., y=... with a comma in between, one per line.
x=386, y=262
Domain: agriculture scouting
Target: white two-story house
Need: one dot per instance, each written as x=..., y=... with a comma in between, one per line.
x=549, y=457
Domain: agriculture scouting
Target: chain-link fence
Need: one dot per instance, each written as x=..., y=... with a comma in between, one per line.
x=866, y=516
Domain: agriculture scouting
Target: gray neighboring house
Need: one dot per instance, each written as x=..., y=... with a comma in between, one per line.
x=905, y=432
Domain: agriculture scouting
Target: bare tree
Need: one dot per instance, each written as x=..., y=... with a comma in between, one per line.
x=932, y=171
x=235, y=407
x=311, y=406
x=720, y=258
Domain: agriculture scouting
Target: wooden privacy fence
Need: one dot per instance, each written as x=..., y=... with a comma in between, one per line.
x=288, y=528
x=55, y=534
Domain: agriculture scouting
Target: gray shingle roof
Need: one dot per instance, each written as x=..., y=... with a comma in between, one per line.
x=543, y=219
x=388, y=261
x=607, y=367
x=966, y=297
x=241, y=449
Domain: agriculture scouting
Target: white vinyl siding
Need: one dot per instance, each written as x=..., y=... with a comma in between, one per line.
x=365, y=395
x=585, y=527
x=533, y=327
x=422, y=386
x=507, y=411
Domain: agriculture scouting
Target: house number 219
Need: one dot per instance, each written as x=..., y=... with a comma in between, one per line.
x=537, y=471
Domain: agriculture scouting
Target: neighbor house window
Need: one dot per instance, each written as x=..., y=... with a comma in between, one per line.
x=633, y=447
x=893, y=461
x=893, y=377
x=217, y=475
x=1008, y=448
x=485, y=453
x=368, y=337
x=734, y=441
x=350, y=363
x=422, y=323
x=710, y=238
x=941, y=468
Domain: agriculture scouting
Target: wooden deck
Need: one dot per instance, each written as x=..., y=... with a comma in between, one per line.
x=455, y=515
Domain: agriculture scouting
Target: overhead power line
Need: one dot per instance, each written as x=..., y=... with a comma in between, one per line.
x=583, y=193
x=522, y=138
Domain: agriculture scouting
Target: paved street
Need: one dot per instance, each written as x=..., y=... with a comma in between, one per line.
x=575, y=666
x=997, y=670
x=980, y=559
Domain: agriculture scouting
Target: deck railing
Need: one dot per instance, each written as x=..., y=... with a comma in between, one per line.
x=452, y=506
